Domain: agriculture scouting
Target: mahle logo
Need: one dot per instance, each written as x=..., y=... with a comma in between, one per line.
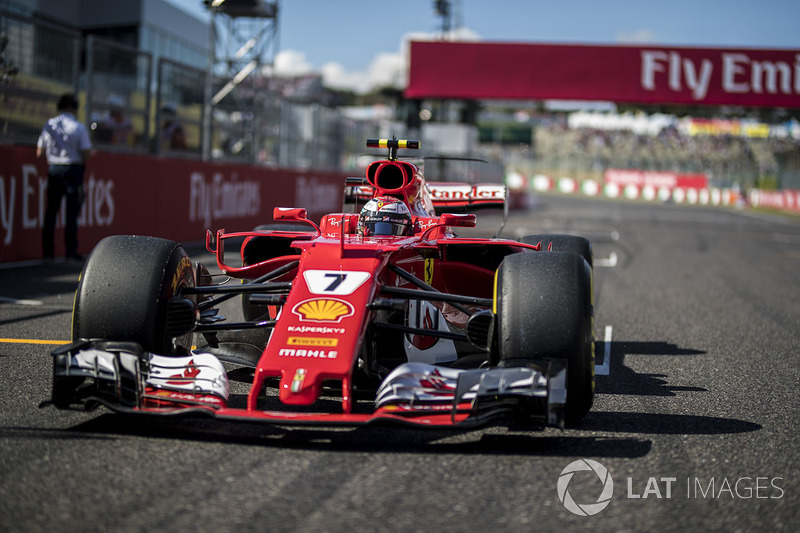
x=587, y=509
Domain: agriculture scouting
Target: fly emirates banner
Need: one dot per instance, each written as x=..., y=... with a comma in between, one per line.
x=635, y=74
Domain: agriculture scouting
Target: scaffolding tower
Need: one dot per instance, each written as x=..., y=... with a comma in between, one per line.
x=243, y=42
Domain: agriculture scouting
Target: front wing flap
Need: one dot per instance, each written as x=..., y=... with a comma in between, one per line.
x=122, y=374
x=123, y=378
x=483, y=393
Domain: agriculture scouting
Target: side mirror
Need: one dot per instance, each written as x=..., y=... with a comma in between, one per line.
x=461, y=220
x=290, y=213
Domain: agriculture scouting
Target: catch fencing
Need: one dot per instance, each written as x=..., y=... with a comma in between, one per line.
x=40, y=62
x=127, y=98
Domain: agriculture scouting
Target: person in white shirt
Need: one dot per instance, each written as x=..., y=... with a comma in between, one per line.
x=65, y=143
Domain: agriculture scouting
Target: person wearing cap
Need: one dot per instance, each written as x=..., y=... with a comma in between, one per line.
x=118, y=126
x=64, y=142
x=171, y=135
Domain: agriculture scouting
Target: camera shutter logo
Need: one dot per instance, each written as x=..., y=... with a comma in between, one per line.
x=588, y=509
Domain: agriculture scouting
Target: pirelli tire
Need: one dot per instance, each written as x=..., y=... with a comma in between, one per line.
x=543, y=307
x=129, y=290
x=557, y=242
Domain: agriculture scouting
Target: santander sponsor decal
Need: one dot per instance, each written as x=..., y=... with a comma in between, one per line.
x=222, y=196
x=444, y=192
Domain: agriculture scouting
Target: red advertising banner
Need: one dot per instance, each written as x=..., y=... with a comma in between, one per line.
x=170, y=198
x=786, y=199
x=656, y=179
x=633, y=74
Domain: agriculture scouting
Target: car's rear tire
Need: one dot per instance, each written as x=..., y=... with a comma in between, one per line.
x=124, y=294
x=557, y=242
x=544, y=311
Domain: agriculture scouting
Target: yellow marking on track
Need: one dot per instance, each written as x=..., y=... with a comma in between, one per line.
x=34, y=341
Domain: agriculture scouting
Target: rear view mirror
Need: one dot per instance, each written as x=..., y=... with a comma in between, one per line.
x=462, y=220
x=290, y=213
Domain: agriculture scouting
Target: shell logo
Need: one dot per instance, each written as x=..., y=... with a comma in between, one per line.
x=323, y=310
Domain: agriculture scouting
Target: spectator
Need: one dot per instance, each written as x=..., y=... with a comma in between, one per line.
x=171, y=135
x=64, y=142
x=118, y=127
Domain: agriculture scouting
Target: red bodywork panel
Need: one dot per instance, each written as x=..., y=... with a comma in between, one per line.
x=319, y=331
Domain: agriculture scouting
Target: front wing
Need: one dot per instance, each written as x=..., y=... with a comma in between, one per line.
x=123, y=378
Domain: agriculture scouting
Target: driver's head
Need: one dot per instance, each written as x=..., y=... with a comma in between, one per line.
x=385, y=215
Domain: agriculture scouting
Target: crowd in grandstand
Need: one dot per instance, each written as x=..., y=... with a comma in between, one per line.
x=730, y=152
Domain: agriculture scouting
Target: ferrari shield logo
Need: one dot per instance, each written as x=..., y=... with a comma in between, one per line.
x=428, y=271
x=298, y=379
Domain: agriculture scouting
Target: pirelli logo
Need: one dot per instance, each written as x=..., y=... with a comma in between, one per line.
x=312, y=341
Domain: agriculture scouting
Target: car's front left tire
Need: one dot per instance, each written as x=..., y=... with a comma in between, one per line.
x=129, y=290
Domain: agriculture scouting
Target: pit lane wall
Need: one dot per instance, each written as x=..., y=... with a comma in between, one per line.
x=171, y=198
x=651, y=186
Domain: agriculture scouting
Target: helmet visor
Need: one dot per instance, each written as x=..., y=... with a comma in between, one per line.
x=385, y=228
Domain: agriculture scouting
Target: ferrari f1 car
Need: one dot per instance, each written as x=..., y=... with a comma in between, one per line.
x=378, y=315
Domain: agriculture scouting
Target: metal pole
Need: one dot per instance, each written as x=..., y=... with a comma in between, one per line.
x=156, y=141
x=90, y=49
x=148, y=105
x=209, y=86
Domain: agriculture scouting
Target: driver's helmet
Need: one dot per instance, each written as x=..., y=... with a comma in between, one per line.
x=385, y=215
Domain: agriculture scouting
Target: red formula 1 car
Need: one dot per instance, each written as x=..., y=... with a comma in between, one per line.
x=379, y=315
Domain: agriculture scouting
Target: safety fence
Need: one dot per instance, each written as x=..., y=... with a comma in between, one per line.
x=45, y=60
x=117, y=94
x=136, y=103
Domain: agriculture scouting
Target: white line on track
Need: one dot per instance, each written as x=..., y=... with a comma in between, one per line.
x=4, y=299
x=605, y=368
x=611, y=262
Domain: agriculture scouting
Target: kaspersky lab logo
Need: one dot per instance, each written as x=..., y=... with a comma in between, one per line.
x=585, y=509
